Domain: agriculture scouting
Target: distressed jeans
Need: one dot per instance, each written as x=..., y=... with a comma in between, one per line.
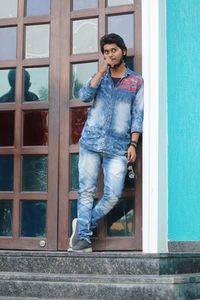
x=114, y=170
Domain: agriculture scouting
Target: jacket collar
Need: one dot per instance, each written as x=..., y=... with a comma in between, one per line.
x=126, y=73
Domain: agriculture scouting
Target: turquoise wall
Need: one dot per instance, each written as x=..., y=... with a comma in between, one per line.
x=183, y=38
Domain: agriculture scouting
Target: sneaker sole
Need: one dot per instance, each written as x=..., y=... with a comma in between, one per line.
x=83, y=250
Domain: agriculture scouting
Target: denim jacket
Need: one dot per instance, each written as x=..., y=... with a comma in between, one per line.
x=116, y=112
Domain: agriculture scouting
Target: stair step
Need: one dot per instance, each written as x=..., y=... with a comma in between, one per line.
x=116, y=263
x=31, y=298
x=55, y=275
x=89, y=286
x=91, y=278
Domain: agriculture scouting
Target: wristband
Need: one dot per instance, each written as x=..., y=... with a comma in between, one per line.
x=133, y=145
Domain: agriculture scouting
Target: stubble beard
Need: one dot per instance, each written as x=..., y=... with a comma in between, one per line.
x=119, y=63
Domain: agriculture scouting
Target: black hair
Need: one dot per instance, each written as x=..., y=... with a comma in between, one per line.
x=113, y=38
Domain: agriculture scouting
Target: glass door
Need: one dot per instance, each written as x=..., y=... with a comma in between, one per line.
x=50, y=48
x=83, y=23
x=29, y=114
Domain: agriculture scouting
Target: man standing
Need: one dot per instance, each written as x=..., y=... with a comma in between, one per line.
x=109, y=137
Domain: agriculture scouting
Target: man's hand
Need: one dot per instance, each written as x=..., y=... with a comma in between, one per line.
x=106, y=63
x=131, y=154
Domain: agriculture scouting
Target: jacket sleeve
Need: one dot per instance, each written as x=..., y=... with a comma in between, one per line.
x=138, y=110
x=88, y=93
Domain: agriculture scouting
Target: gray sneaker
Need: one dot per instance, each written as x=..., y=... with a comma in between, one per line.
x=82, y=246
x=74, y=237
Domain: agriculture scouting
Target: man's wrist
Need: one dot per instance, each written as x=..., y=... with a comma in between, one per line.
x=101, y=72
x=133, y=142
x=133, y=145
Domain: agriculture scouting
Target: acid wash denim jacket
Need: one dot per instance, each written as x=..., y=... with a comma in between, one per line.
x=116, y=112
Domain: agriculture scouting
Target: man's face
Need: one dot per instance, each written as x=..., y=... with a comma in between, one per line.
x=114, y=53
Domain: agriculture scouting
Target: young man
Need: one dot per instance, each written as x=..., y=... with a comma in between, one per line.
x=109, y=138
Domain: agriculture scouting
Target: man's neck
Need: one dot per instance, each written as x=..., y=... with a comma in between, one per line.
x=118, y=71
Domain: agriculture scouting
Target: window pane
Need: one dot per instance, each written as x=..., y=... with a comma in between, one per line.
x=34, y=173
x=80, y=4
x=37, y=7
x=119, y=25
x=7, y=86
x=36, y=84
x=37, y=41
x=8, y=43
x=119, y=2
x=6, y=173
x=78, y=118
x=130, y=179
x=130, y=62
x=121, y=219
x=8, y=9
x=73, y=214
x=33, y=218
x=82, y=29
x=35, y=128
x=7, y=128
x=5, y=218
x=80, y=74
x=74, y=172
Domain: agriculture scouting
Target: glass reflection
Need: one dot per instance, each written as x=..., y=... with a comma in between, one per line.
x=8, y=9
x=79, y=74
x=35, y=128
x=33, y=218
x=80, y=4
x=78, y=118
x=119, y=24
x=82, y=29
x=74, y=172
x=5, y=217
x=37, y=41
x=119, y=2
x=130, y=62
x=6, y=172
x=7, y=128
x=37, y=7
x=73, y=213
x=130, y=178
x=7, y=87
x=38, y=80
x=34, y=173
x=8, y=43
x=120, y=220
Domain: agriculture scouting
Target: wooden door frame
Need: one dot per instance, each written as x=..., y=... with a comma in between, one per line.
x=15, y=242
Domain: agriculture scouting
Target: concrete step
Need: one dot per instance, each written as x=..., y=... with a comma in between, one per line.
x=31, y=298
x=107, y=287
x=116, y=263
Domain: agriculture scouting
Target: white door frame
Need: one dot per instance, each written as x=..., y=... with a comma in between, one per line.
x=155, y=154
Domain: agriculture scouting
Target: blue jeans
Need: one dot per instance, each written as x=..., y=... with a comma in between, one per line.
x=114, y=170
